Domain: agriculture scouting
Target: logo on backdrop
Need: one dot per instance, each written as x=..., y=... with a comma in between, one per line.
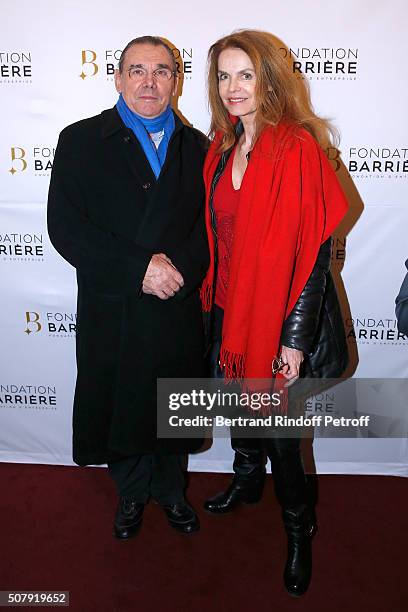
x=323, y=64
x=103, y=63
x=15, y=67
x=338, y=251
x=365, y=162
x=54, y=324
x=369, y=330
x=89, y=66
x=184, y=61
x=34, y=397
x=334, y=156
x=21, y=247
x=321, y=403
x=36, y=160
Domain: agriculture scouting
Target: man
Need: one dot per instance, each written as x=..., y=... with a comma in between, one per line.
x=125, y=208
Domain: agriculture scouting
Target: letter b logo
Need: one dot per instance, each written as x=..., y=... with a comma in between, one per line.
x=32, y=318
x=333, y=155
x=18, y=155
x=88, y=58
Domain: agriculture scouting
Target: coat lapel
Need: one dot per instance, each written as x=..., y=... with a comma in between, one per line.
x=128, y=147
x=159, y=202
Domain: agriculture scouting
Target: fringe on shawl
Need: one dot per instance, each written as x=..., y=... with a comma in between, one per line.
x=206, y=295
x=233, y=366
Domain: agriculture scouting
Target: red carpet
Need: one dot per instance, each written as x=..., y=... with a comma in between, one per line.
x=56, y=535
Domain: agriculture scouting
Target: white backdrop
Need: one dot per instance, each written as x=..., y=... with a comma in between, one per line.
x=56, y=62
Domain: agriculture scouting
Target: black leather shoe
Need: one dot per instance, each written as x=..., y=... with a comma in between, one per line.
x=182, y=517
x=247, y=491
x=128, y=519
x=298, y=569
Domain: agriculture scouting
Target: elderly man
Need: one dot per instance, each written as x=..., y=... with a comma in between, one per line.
x=125, y=208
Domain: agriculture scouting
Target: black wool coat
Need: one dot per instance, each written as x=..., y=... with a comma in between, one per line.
x=107, y=215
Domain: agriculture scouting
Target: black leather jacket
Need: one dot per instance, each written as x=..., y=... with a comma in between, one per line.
x=315, y=325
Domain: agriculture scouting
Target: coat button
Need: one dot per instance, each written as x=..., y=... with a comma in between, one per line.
x=146, y=185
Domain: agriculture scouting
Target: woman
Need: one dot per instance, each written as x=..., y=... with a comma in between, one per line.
x=272, y=203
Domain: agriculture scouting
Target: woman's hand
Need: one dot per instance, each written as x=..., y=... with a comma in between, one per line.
x=292, y=358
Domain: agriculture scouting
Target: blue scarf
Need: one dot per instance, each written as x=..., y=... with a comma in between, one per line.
x=142, y=127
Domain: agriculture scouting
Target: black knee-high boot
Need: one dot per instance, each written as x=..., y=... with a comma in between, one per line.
x=249, y=461
x=249, y=477
x=298, y=517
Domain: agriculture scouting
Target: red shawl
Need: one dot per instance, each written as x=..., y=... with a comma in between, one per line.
x=290, y=203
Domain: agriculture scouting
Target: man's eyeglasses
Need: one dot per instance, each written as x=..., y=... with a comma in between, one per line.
x=160, y=74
